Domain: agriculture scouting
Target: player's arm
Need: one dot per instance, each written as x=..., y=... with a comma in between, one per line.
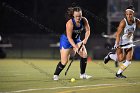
x=119, y=31
x=138, y=22
x=87, y=29
x=69, y=29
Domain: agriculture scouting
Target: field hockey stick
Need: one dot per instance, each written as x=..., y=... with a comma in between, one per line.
x=73, y=59
x=128, y=44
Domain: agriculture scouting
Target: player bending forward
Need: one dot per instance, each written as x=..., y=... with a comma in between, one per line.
x=70, y=41
x=124, y=35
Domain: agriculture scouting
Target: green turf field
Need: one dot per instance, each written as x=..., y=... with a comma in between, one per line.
x=35, y=76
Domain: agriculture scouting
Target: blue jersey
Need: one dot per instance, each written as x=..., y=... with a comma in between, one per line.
x=75, y=35
x=77, y=30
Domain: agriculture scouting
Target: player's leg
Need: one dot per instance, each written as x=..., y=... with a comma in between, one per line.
x=128, y=53
x=121, y=54
x=83, y=59
x=110, y=55
x=64, y=60
x=83, y=62
x=114, y=56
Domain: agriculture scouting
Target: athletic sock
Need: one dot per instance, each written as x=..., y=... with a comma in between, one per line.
x=123, y=66
x=59, y=68
x=113, y=56
x=83, y=64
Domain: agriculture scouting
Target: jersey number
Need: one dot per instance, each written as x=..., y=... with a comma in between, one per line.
x=76, y=36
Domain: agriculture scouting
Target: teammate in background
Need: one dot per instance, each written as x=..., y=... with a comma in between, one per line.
x=124, y=35
x=70, y=41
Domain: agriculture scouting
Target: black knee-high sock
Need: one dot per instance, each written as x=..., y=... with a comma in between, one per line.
x=83, y=64
x=59, y=68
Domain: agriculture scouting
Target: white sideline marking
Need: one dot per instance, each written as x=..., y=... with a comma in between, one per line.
x=18, y=91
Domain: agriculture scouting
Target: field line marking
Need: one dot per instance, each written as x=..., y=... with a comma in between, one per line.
x=100, y=87
x=53, y=88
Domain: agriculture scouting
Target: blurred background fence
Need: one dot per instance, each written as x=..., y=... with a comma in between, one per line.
x=31, y=28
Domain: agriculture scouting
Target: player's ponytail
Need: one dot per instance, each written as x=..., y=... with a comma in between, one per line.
x=69, y=13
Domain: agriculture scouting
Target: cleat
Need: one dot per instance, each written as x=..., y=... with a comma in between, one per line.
x=55, y=77
x=107, y=58
x=85, y=76
x=120, y=75
x=116, y=64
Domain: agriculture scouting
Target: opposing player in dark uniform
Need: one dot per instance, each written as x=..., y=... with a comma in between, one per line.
x=70, y=41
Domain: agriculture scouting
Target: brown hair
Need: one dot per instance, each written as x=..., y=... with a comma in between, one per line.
x=70, y=11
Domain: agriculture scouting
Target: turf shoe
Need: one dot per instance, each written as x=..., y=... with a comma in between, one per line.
x=120, y=75
x=107, y=58
x=85, y=76
x=55, y=77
